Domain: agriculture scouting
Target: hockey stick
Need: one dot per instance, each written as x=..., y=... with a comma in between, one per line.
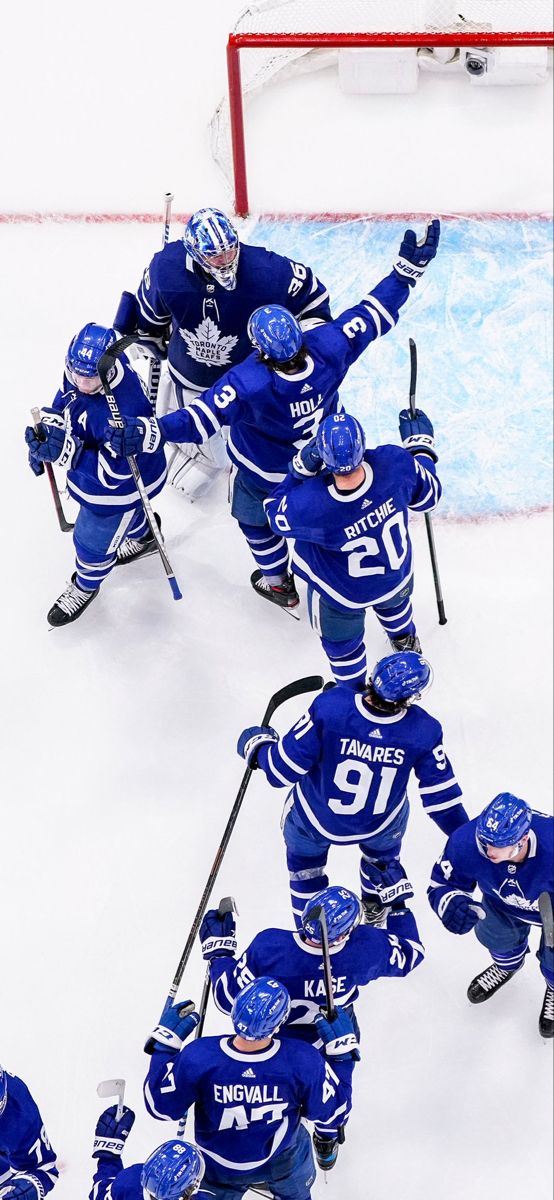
x=225, y=906
x=428, y=521
x=113, y=1087
x=64, y=525
x=107, y=361
x=312, y=683
x=547, y=918
x=317, y=913
x=155, y=368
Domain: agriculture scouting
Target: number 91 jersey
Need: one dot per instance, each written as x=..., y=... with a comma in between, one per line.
x=350, y=767
x=354, y=547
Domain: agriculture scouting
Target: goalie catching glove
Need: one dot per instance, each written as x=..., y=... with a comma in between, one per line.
x=138, y=435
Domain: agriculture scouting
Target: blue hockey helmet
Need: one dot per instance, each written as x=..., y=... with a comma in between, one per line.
x=504, y=822
x=213, y=242
x=84, y=354
x=275, y=332
x=341, y=443
x=3, y=1090
x=173, y=1172
x=260, y=1009
x=343, y=913
x=401, y=677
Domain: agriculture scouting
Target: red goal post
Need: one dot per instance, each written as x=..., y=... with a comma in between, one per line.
x=286, y=31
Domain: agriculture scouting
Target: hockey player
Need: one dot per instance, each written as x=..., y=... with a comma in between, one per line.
x=350, y=525
x=348, y=761
x=508, y=852
x=27, y=1161
x=195, y=298
x=274, y=401
x=111, y=526
x=358, y=955
x=251, y=1091
x=172, y=1172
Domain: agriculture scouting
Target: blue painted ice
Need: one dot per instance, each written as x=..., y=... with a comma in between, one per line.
x=482, y=321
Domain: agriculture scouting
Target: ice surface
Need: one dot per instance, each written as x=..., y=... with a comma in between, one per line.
x=119, y=733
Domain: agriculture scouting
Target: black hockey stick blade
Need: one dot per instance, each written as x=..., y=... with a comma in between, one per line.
x=547, y=918
x=413, y=374
x=311, y=683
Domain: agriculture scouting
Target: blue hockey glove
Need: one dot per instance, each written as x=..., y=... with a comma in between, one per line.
x=307, y=463
x=140, y=435
x=175, y=1026
x=50, y=442
x=110, y=1134
x=417, y=433
x=340, y=1036
x=414, y=257
x=459, y=913
x=217, y=935
x=390, y=883
x=251, y=741
x=21, y=1187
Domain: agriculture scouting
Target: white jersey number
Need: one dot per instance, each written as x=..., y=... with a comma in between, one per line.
x=364, y=548
x=355, y=778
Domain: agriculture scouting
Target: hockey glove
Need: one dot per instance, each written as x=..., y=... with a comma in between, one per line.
x=251, y=741
x=389, y=881
x=417, y=433
x=22, y=1187
x=339, y=1036
x=307, y=463
x=217, y=935
x=51, y=442
x=458, y=913
x=175, y=1026
x=110, y=1134
x=140, y=435
x=415, y=256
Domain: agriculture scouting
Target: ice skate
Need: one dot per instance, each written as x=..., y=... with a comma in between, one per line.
x=487, y=983
x=133, y=548
x=70, y=605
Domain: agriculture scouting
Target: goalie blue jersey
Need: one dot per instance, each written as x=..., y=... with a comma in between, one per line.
x=367, y=955
x=350, y=767
x=513, y=887
x=354, y=547
x=270, y=413
x=97, y=478
x=24, y=1145
x=207, y=324
x=247, y=1107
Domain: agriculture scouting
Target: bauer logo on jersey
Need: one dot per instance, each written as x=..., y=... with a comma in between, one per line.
x=206, y=345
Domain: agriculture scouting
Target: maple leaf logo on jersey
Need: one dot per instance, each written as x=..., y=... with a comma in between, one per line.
x=207, y=346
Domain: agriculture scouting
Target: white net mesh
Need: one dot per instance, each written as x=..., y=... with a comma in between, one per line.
x=261, y=65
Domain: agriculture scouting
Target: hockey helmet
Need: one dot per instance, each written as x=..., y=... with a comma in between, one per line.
x=341, y=443
x=173, y=1172
x=260, y=1009
x=213, y=242
x=401, y=678
x=342, y=912
x=504, y=822
x=275, y=332
x=84, y=354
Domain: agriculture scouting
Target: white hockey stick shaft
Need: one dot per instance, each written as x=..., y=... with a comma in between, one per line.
x=113, y=1087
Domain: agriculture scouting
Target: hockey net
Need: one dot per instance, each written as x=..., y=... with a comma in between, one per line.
x=274, y=39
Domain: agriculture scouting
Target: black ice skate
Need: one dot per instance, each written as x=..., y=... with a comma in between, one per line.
x=487, y=983
x=70, y=605
x=546, y=1019
x=326, y=1151
x=409, y=642
x=133, y=548
x=284, y=594
x=374, y=912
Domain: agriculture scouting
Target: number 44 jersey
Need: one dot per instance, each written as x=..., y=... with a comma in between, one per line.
x=350, y=767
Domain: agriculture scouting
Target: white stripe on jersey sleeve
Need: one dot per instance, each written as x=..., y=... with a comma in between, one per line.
x=151, y=316
x=199, y=403
x=431, y=808
x=438, y=787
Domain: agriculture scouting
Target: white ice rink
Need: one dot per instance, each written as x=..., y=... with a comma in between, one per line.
x=118, y=733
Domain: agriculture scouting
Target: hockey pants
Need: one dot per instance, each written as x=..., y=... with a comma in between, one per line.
x=343, y=633
x=288, y=1176
x=96, y=539
x=507, y=939
x=269, y=550
x=308, y=851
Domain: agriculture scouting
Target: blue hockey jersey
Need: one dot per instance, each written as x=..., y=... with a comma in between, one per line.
x=24, y=1145
x=350, y=767
x=247, y=1107
x=513, y=887
x=368, y=954
x=206, y=323
x=97, y=478
x=270, y=413
x=354, y=547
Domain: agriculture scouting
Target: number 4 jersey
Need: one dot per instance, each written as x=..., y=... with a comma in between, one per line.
x=350, y=767
x=354, y=547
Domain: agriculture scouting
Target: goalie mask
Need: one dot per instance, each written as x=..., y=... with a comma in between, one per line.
x=213, y=242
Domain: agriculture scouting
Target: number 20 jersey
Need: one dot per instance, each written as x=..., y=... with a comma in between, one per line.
x=350, y=767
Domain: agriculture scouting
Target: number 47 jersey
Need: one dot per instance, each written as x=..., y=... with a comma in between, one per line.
x=349, y=766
